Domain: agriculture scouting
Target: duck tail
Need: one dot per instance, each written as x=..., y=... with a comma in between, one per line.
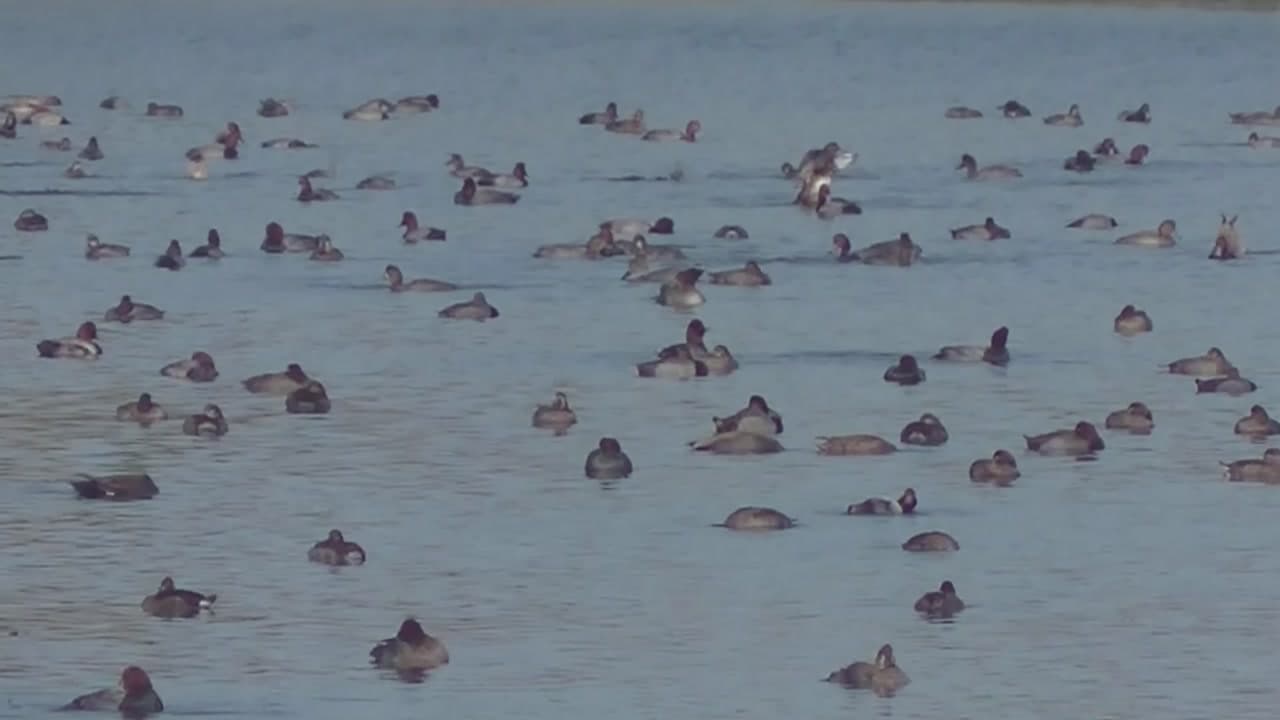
x=47, y=348
x=208, y=600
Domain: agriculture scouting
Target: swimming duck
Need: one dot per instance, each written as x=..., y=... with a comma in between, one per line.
x=601, y=245
x=1257, y=423
x=607, y=461
x=990, y=172
x=310, y=399
x=680, y=292
x=212, y=247
x=731, y=232
x=904, y=505
x=1230, y=384
x=142, y=411
x=411, y=651
x=854, y=445
x=1000, y=469
x=63, y=145
x=95, y=249
x=1093, y=221
x=460, y=169
x=370, y=111
x=1137, y=155
x=470, y=194
x=199, y=368
x=960, y=112
x=417, y=104
x=75, y=171
x=901, y=252
x=224, y=147
x=127, y=311
x=633, y=125
x=1081, y=162
x=630, y=227
x=600, y=118
x=1258, y=142
x=31, y=221
x=823, y=162
x=690, y=133
x=326, y=252
x=1015, y=109
x=9, y=128
x=91, y=150
x=1107, y=149
x=163, y=110
x=906, y=372
x=1227, y=244
x=749, y=275
x=134, y=698
x=1071, y=118
x=84, y=345
x=1083, y=439
x=477, y=308
x=927, y=431
x=1163, y=236
x=757, y=518
x=308, y=194
x=172, y=258
x=278, y=383
x=757, y=417
x=376, y=182
x=170, y=602
x=1266, y=470
x=997, y=353
x=518, y=178
x=887, y=678
x=112, y=102
x=277, y=241
x=719, y=361
x=272, y=108
x=856, y=675
x=681, y=365
x=1132, y=321
x=396, y=282
x=1261, y=117
x=694, y=341
x=738, y=442
x=940, y=603
x=414, y=234
x=1141, y=115
x=337, y=550
x=932, y=541
x=1213, y=362
x=287, y=143
x=830, y=207
x=988, y=230
x=120, y=488
x=208, y=422
x=558, y=415
x=1136, y=418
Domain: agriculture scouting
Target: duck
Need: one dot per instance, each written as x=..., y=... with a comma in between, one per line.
x=757, y=518
x=75, y=171
x=681, y=365
x=1081, y=162
x=224, y=147
x=905, y=372
x=1083, y=439
x=607, y=461
x=681, y=292
x=310, y=399
x=9, y=128
x=127, y=311
x=599, y=246
x=1071, y=118
x=119, y=488
x=376, y=182
x=631, y=227
x=308, y=194
x=326, y=252
x=1229, y=384
x=731, y=232
x=831, y=207
x=1138, y=154
x=1260, y=117
x=1014, y=109
x=1164, y=236
x=757, y=417
x=277, y=241
x=460, y=169
x=1107, y=149
x=694, y=341
x=1132, y=321
x=1136, y=418
x=904, y=505
x=212, y=247
x=940, y=603
x=337, y=550
x=1266, y=470
x=1000, y=469
x=609, y=114
x=633, y=125
x=91, y=151
x=84, y=345
x=171, y=602
x=1212, y=363
x=854, y=445
x=134, y=698
x=272, y=108
x=278, y=383
x=1227, y=244
x=477, y=308
x=719, y=361
x=961, y=112
x=142, y=411
x=411, y=651
x=1093, y=221
x=689, y=134
x=738, y=442
x=1141, y=115
x=287, y=143
x=1257, y=423
x=927, y=431
x=112, y=102
x=988, y=230
x=1258, y=142
x=749, y=275
x=470, y=194
x=172, y=258
x=414, y=234
x=370, y=111
x=518, y=178
x=883, y=676
x=63, y=145
x=558, y=415
x=902, y=252
x=822, y=162
x=163, y=110
x=31, y=221
x=396, y=282
x=95, y=249
x=198, y=368
x=997, y=353
x=208, y=423
x=932, y=541
x=990, y=172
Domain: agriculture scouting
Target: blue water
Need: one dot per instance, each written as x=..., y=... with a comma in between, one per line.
x=1137, y=585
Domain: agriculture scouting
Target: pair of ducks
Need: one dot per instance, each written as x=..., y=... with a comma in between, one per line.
x=749, y=431
x=690, y=359
x=209, y=422
x=635, y=125
x=1213, y=373
x=928, y=431
x=379, y=109
x=517, y=178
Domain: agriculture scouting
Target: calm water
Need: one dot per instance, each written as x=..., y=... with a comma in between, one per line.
x=1133, y=586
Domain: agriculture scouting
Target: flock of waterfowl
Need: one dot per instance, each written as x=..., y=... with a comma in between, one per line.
x=754, y=429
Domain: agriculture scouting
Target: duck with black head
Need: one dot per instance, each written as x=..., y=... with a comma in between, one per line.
x=608, y=461
x=694, y=341
x=1093, y=221
x=1230, y=383
x=689, y=134
x=172, y=258
x=996, y=353
x=126, y=311
x=278, y=383
x=117, y=488
x=477, y=308
x=609, y=114
x=310, y=399
x=556, y=416
x=212, y=247
x=278, y=241
x=209, y=422
x=1257, y=423
x=397, y=284
x=309, y=194
x=163, y=110
x=91, y=151
x=904, y=505
x=172, y=602
x=412, y=650
x=1141, y=115
x=1081, y=162
x=681, y=291
x=1132, y=321
x=1071, y=118
x=143, y=411
x=749, y=275
x=679, y=365
x=829, y=207
x=905, y=372
x=988, y=230
x=902, y=252
x=1000, y=469
x=1013, y=109
x=337, y=550
x=84, y=345
x=30, y=221
x=95, y=249
x=969, y=165
x=198, y=368
x=757, y=417
x=940, y=603
x=517, y=178
x=928, y=431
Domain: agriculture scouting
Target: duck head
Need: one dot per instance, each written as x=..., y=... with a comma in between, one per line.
x=87, y=332
x=393, y=275
x=1140, y=409
x=410, y=632
x=1087, y=431
x=663, y=226
x=134, y=680
x=840, y=245
x=1000, y=337
x=408, y=220
x=1167, y=229
x=144, y=402
x=967, y=162
x=907, y=501
x=275, y=234
x=1004, y=457
x=610, y=446
x=294, y=372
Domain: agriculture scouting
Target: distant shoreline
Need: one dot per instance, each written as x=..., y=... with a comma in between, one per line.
x=1250, y=5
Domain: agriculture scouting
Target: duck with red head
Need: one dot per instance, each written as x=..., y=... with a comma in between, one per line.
x=940, y=603
x=906, y=372
x=126, y=311
x=1138, y=155
x=279, y=383
x=84, y=345
x=134, y=698
x=212, y=247
x=414, y=234
x=143, y=411
x=690, y=133
x=518, y=178
x=309, y=194
x=172, y=258
x=904, y=505
x=829, y=207
x=412, y=650
x=1081, y=440
x=171, y=602
x=277, y=241
x=608, y=461
x=470, y=194
x=991, y=172
x=694, y=341
x=997, y=353
x=600, y=118
x=1257, y=423
x=224, y=147
x=681, y=291
x=199, y=368
x=337, y=550
x=1000, y=469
